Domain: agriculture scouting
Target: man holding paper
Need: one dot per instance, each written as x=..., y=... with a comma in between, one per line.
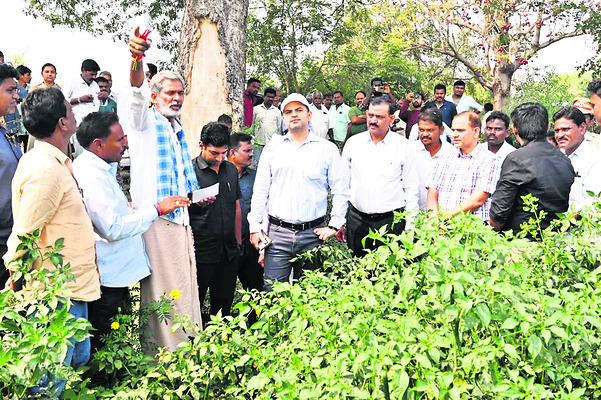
x=216, y=226
x=161, y=166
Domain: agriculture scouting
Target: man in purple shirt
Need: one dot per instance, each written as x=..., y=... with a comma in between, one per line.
x=411, y=116
x=250, y=99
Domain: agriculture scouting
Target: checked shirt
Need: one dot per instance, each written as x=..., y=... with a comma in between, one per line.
x=457, y=176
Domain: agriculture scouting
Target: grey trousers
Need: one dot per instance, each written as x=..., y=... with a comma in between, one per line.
x=286, y=245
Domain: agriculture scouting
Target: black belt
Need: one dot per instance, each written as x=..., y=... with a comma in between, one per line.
x=297, y=227
x=388, y=214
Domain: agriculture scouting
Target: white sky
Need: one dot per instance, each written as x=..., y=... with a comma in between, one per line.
x=39, y=43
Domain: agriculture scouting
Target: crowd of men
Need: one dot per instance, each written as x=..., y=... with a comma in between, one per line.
x=248, y=205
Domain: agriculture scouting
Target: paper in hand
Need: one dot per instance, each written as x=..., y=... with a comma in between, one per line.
x=203, y=193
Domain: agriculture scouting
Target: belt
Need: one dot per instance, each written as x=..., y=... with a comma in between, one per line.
x=297, y=227
x=388, y=214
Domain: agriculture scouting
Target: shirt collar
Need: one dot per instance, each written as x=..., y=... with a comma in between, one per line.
x=387, y=139
x=310, y=138
x=52, y=150
x=98, y=162
x=474, y=153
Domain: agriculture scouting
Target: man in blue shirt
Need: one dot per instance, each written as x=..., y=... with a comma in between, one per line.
x=117, y=228
x=9, y=157
x=291, y=186
x=447, y=108
x=241, y=155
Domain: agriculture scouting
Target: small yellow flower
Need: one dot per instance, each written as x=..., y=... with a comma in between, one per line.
x=175, y=294
x=115, y=325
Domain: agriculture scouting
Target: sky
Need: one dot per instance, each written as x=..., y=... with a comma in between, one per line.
x=37, y=42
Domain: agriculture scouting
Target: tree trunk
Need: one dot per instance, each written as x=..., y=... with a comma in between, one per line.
x=213, y=63
x=501, y=88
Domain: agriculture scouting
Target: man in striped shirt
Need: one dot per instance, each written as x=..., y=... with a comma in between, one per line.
x=464, y=180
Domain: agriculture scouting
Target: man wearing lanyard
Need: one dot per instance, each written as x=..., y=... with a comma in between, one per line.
x=291, y=186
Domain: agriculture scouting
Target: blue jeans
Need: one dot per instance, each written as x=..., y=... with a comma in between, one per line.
x=286, y=245
x=77, y=356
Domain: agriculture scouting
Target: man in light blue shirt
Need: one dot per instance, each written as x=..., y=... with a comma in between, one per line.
x=290, y=193
x=117, y=228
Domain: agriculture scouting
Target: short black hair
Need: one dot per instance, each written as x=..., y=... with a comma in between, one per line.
x=360, y=91
x=90, y=65
x=7, y=71
x=95, y=125
x=41, y=110
x=252, y=80
x=328, y=95
x=431, y=115
x=439, y=87
x=22, y=70
x=571, y=113
x=215, y=134
x=338, y=91
x=269, y=91
x=101, y=79
x=48, y=65
x=152, y=69
x=238, y=138
x=374, y=80
x=531, y=121
x=376, y=101
x=595, y=87
x=224, y=119
x=488, y=107
x=500, y=115
x=459, y=83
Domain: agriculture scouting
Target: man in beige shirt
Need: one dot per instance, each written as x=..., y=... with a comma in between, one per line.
x=46, y=197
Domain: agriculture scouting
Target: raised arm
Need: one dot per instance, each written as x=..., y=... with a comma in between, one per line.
x=137, y=48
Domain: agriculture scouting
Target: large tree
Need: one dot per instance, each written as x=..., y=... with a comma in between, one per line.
x=210, y=52
x=491, y=38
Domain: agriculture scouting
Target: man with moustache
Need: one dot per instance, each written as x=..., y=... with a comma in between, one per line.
x=339, y=119
x=253, y=86
x=320, y=120
x=10, y=153
x=430, y=148
x=464, y=179
x=416, y=100
x=447, y=108
x=291, y=186
x=161, y=167
x=268, y=122
x=384, y=178
x=118, y=229
x=250, y=272
x=497, y=132
x=48, y=76
x=357, y=115
x=570, y=130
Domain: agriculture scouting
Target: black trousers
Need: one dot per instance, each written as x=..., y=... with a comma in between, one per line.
x=3, y=271
x=250, y=272
x=220, y=277
x=358, y=226
x=101, y=311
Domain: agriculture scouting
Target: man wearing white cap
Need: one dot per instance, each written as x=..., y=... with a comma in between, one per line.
x=290, y=194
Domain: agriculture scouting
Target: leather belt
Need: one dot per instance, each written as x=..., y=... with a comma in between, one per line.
x=388, y=214
x=297, y=227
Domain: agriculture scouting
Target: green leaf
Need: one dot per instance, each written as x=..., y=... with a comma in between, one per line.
x=483, y=313
x=535, y=345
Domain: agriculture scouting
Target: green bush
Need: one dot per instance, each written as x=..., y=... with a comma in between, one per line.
x=449, y=310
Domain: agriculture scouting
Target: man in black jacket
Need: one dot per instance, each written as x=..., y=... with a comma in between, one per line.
x=536, y=168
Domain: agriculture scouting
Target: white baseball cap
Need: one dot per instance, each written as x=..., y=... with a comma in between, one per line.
x=295, y=97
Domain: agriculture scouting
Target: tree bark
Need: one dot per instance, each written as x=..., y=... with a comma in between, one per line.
x=213, y=63
x=501, y=88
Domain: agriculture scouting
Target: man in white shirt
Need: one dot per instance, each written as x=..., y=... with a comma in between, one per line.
x=267, y=121
x=84, y=95
x=320, y=120
x=384, y=177
x=290, y=194
x=497, y=132
x=430, y=147
x=570, y=129
x=462, y=101
x=161, y=166
x=118, y=229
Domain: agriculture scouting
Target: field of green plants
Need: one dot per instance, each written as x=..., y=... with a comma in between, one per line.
x=449, y=310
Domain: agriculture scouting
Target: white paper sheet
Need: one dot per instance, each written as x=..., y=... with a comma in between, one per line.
x=203, y=193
